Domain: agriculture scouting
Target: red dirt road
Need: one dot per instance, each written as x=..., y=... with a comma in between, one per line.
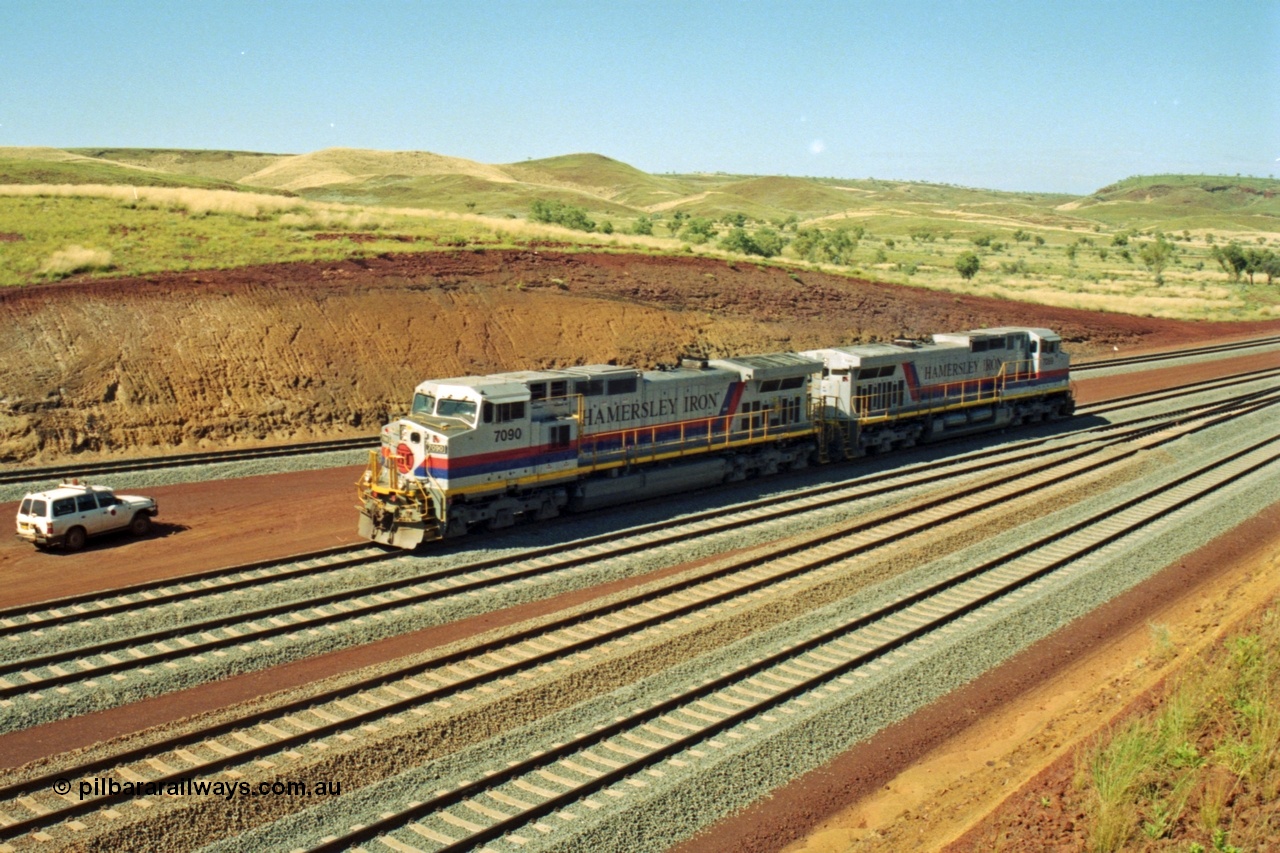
x=201, y=526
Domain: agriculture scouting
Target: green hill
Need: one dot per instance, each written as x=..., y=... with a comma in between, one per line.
x=230, y=166
x=608, y=188
x=1143, y=245
x=1187, y=201
x=26, y=166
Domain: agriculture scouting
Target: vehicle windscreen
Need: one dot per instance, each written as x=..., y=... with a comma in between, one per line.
x=464, y=409
x=423, y=404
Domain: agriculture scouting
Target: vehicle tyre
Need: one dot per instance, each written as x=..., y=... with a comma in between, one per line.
x=140, y=525
x=75, y=539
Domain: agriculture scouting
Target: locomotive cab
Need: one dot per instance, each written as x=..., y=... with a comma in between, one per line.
x=1046, y=354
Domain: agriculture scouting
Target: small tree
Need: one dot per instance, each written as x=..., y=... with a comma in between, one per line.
x=1260, y=261
x=831, y=247
x=968, y=265
x=738, y=240
x=1156, y=255
x=1271, y=266
x=1231, y=258
x=770, y=242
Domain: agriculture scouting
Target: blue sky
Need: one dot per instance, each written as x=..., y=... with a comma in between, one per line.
x=1045, y=96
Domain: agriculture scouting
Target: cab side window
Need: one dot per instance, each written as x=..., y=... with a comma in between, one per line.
x=64, y=506
x=84, y=503
x=503, y=412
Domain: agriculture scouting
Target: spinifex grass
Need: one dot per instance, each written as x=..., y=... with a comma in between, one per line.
x=1203, y=772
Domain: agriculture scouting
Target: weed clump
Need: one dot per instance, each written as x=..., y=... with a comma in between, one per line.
x=75, y=259
x=1203, y=773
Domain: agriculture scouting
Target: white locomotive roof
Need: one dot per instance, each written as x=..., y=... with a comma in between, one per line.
x=778, y=365
x=598, y=370
x=854, y=352
x=493, y=389
x=965, y=337
x=1005, y=330
x=686, y=374
x=531, y=375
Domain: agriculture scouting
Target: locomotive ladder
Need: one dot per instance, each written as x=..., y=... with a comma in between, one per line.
x=826, y=429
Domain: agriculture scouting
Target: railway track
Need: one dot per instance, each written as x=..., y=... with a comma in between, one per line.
x=90, y=470
x=1150, y=358
x=689, y=726
x=1118, y=403
x=45, y=649
x=150, y=594
x=692, y=726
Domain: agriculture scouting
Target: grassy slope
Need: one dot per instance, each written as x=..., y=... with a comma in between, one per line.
x=26, y=171
x=911, y=232
x=229, y=166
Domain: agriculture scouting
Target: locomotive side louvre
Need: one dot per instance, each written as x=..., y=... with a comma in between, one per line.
x=488, y=449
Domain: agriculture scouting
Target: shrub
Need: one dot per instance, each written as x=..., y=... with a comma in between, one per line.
x=559, y=213
x=766, y=243
x=836, y=247
x=968, y=265
x=698, y=230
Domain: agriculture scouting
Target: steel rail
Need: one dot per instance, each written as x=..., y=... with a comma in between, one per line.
x=180, y=460
x=1188, y=352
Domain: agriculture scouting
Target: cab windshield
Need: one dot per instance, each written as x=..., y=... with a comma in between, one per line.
x=464, y=409
x=424, y=404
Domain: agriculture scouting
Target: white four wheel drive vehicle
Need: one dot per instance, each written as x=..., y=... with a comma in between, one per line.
x=71, y=513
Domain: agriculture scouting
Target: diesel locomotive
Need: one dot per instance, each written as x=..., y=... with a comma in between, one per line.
x=489, y=450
